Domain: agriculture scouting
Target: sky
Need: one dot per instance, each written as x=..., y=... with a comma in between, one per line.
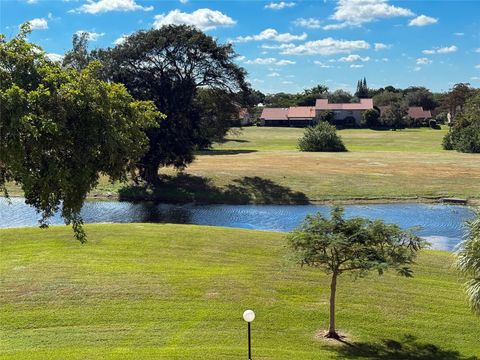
x=286, y=45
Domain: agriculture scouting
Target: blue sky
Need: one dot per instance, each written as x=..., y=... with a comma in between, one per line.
x=288, y=45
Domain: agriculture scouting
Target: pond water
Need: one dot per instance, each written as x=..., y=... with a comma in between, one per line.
x=441, y=225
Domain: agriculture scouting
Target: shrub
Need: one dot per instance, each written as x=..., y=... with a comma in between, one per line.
x=322, y=137
x=447, y=142
x=370, y=119
x=433, y=124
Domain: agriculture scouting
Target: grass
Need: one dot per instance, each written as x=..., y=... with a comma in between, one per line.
x=260, y=164
x=145, y=291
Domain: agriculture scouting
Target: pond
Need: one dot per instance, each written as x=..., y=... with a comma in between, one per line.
x=441, y=225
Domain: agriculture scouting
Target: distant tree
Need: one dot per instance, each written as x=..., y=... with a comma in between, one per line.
x=464, y=134
x=362, y=89
x=356, y=246
x=394, y=116
x=456, y=98
x=79, y=56
x=281, y=100
x=340, y=96
x=255, y=97
x=386, y=98
x=169, y=65
x=322, y=137
x=421, y=97
x=326, y=115
x=468, y=262
x=60, y=129
x=310, y=96
x=370, y=118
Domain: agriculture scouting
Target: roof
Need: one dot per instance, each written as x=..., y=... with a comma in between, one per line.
x=301, y=112
x=415, y=112
x=364, y=104
x=274, y=114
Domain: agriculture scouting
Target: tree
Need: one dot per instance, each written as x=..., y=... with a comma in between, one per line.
x=60, y=129
x=385, y=98
x=457, y=97
x=420, y=97
x=340, y=96
x=464, y=135
x=310, y=96
x=79, y=56
x=370, y=118
x=356, y=246
x=169, y=65
x=322, y=137
x=468, y=262
x=394, y=116
x=362, y=89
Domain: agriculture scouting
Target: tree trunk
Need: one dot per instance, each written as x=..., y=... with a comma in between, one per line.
x=149, y=173
x=331, y=328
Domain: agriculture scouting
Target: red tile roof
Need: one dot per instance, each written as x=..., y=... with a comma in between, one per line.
x=274, y=114
x=364, y=104
x=301, y=112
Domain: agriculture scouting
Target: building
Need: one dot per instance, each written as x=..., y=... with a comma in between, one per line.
x=274, y=117
x=347, y=114
x=301, y=116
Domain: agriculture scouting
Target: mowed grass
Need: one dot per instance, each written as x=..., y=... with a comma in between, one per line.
x=146, y=291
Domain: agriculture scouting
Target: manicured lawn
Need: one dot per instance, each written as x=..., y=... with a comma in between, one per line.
x=144, y=291
x=262, y=164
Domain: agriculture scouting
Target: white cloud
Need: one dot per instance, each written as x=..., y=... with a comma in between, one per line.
x=423, y=61
x=422, y=20
x=381, y=46
x=32, y=1
x=184, y=1
x=322, y=65
x=280, y=5
x=459, y=34
x=441, y=50
x=477, y=50
x=241, y=58
x=38, y=24
x=270, y=61
x=417, y=68
x=327, y=46
x=204, y=19
x=276, y=47
x=352, y=58
x=91, y=35
x=273, y=35
x=357, y=12
x=274, y=74
x=356, y=66
x=101, y=6
x=287, y=82
x=309, y=23
x=121, y=39
x=55, y=57
x=477, y=66
x=476, y=78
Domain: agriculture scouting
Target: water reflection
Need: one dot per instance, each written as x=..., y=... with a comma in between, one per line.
x=442, y=225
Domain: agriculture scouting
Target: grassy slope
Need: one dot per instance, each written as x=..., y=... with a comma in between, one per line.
x=168, y=291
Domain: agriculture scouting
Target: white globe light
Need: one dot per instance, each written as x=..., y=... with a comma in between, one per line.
x=248, y=315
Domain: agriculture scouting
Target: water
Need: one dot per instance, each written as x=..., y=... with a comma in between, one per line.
x=442, y=225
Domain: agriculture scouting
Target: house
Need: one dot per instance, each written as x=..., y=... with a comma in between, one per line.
x=349, y=114
x=274, y=117
x=301, y=116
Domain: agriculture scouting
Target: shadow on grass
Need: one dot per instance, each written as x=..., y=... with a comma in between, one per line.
x=185, y=188
x=233, y=140
x=225, y=152
x=408, y=348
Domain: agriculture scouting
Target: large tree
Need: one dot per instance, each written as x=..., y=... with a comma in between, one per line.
x=468, y=262
x=356, y=246
x=60, y=129
x=169, y=65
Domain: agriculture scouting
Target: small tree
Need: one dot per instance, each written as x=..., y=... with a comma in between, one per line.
x=468, y=262
x=395, y=116
x=370, y=118
x=322, y=137
x=355, y=245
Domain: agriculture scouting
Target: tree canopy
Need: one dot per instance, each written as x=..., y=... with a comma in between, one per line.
x=356, y=245
x=169, y=65
x=60, y=129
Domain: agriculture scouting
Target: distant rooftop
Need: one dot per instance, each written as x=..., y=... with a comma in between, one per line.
x=364, y=104
x=274, y=114
x=301, y=112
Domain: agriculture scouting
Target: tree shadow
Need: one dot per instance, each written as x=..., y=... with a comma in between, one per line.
x=408, y=348
x=223, y=141
x=186, y=188
x=225, y=152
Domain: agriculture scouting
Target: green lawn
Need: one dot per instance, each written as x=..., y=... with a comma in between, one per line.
x=144, y=291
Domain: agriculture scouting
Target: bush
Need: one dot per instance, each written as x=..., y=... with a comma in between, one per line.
x=370, y=119
x=322, y=137
x=447, y=142
x=433, y=124
x=465, y=140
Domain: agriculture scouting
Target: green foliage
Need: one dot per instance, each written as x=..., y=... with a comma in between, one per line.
x=420, y=97
x=362, y=89
x=60, y=129
x=468, y=262
x=464, y=135
x=322, y=137
x=370, y=119
x=394, y=116
x=385, y=98
x=169, y=65
x=340, y=96
x=310, y=96
x=326, y=115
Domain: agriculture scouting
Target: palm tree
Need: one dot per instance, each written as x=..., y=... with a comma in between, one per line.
x=468, y=262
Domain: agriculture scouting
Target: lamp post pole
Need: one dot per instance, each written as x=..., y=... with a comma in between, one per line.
x=249, y=316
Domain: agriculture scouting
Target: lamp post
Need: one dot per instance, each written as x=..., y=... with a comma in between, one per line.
x=249, y=316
